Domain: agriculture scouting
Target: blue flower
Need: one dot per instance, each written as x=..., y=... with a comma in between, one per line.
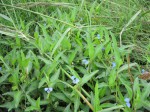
x=85, y=62
x=127, y=100
x=98, y=36
x=128, y=104
x=113, y=64
x=73, y=77
x=103, y=48
x=142, y=70
x=75, y=80
x=0, y=68
x=44, y=24
x=48, y=90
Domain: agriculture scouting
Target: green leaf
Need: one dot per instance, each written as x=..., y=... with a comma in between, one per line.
x=116, y=50
x=112, y=78
x=42, y=81
x=15, y=77
x=90, y=47
x=59, y=41
x=107, y=49
x=17, y=95
x=3, y=78
x=107, y=98
x=2, y=59
x=146, y=105
x=126, y=84
x=55, y=76
x=9, y=105
x=64, y=58
x=31, y=100
x=87, y=77
x=96, y=98
x=61, y=96
x=107, y=37
x=17, y=98
x=38, y=103
x=146, y=92
x=136, y=85
x=98, y=50
x=73, y=72
x=137, y=92
x=76, y=103
x=6, y=17
x=32, y=86
x=129, y=22
x=67, y=109
x=30, y=108
x=48, y=69
x=125, y=67
x=44, y=60
x=112, y=108
x=66, y=44
x=72, y=56
x=29, y=67
x=44, y=31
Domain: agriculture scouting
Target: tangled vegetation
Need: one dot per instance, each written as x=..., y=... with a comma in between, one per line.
x=74, y=55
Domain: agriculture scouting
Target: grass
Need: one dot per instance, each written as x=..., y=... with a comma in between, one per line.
x=103, y=44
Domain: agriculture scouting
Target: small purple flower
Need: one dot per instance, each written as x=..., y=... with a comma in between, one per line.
x=75, y=80
x=98, y=36
x=127, y=100
x=48, y=90
x=113, y=64
x=85, y=62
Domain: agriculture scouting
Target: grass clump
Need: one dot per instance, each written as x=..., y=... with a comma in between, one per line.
x=78, y=56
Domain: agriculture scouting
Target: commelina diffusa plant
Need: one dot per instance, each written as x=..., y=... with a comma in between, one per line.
x=63, y=57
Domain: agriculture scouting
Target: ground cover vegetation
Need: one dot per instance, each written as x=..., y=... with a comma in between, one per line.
x=74, y=55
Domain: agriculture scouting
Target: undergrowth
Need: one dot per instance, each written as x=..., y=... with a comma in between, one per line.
x=74, y=55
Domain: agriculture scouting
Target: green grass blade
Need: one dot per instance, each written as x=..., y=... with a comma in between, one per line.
x=59, y=41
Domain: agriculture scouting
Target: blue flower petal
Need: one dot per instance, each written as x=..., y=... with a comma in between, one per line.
x=113, y=64
x=85, y=62
x=103, y=48
x=128, y=105
x=76, y=81
x=48, y=90
x=142, y=70
x=72, y=77
x=98, y=36
x=127, y=100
